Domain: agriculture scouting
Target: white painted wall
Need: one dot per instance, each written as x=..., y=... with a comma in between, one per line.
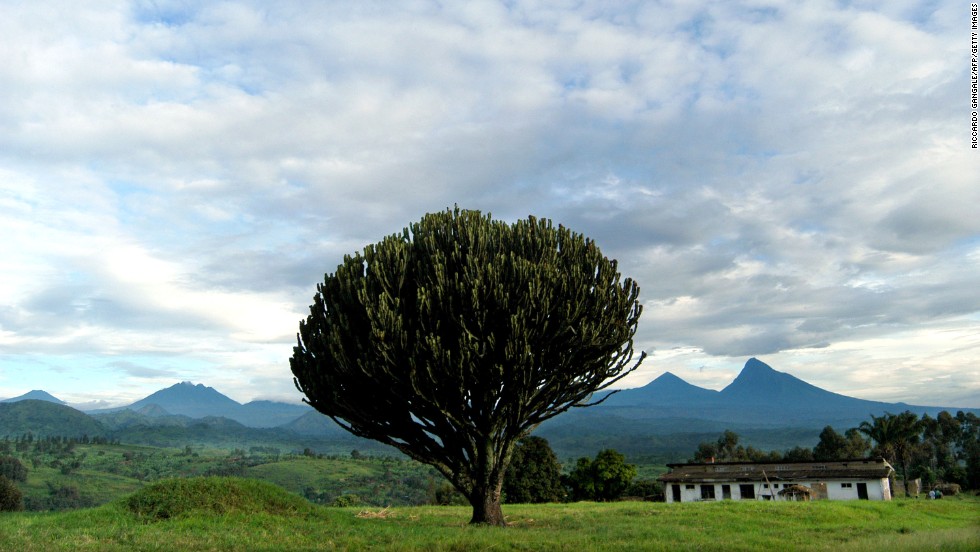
x=836, y=490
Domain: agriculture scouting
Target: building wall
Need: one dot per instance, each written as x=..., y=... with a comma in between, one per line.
x=878, y=489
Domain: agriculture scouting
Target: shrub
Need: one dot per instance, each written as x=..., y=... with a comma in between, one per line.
x=212, y=495
x=347, y=501
x=13, y=469
x=11, y=499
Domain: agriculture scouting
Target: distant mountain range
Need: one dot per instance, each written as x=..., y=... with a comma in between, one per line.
x=761, y=402
x=759, y=396
x=36, y=395
x=774, y=408
x=200, y=401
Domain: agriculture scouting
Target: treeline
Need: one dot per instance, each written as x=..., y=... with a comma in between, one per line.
x=50, y=443
x=944, y=449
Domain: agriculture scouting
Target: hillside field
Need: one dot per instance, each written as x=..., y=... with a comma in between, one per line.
x=244, y=514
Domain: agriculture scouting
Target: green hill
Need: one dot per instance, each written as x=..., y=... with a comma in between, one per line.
x=43, y=418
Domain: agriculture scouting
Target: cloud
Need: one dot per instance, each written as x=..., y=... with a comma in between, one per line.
x=780, y=178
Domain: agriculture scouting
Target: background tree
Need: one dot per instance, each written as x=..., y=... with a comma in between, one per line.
x=534, y=473
x=968, y=448
x=603, y=479
x=727, y=449
x=13, y=469
x=457, y=337
x=11, y=499
x=895, y=437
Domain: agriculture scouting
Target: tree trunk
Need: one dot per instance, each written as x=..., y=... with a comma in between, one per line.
x=486, y=507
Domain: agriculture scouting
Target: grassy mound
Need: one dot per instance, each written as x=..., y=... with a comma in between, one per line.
x=174, y=498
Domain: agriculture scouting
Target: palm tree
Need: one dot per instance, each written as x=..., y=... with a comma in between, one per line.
x=895, y=437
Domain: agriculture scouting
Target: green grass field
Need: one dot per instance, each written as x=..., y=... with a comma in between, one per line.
x=245, y=514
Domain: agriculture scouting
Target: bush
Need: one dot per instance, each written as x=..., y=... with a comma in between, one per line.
x=347, y=501
x=646, y=489
x=534, y=474
x=604, y=479
x=212, y=495
x=13, y=469
x=11, y=499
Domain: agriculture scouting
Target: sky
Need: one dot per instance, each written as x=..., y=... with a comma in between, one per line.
x=792, y=181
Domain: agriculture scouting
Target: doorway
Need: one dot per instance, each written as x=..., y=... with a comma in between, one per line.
x=862, y=491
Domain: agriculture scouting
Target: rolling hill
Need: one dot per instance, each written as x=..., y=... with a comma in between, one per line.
x=768, y=408
x=45, y=418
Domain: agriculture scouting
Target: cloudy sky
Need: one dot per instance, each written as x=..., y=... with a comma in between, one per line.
x=786, y=180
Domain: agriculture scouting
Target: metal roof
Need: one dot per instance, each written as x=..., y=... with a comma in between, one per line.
x=777, y=471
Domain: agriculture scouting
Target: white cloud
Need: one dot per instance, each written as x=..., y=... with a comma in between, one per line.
x=781, y=178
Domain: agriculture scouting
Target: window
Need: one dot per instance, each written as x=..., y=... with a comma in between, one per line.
x=707, y=492
x=689, y=487
x=747, y=492
x=845, y=485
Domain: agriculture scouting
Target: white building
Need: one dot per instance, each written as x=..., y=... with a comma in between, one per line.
x=864, y=479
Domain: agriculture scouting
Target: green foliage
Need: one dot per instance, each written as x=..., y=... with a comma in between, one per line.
x=603, y=479
x=646, y=489
x=442, y=493
x=534, y=473
x=13, y=469
x=727, y=449
x=59, y=497
x=174, y=498
x=460, y=335
x=347, y=501
x=11, y=499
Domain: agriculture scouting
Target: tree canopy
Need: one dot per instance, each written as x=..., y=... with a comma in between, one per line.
x=534, y=473
x=603, y=479
x=455, y=338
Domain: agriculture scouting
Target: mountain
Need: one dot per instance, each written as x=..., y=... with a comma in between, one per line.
x=314, y=423
x=45, y=418
x=759, y=384
x=759, y=396
x=37, y=395
x=195, y=401
x=761, y=402
x=271, y=413
x=198, y=401
x=667, y=389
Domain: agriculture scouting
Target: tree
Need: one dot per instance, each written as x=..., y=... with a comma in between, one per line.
x=455, y=338
x=603, y=479
x=832, y=446
x=895, y=437
x=968, y=447
x=13, y=469
x=11, y=499
x=534, y=473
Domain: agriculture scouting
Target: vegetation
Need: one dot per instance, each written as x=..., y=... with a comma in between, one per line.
x=174, y=498
x=603, y=479
x=457, y=337
x=11, y=499
x=534, y=474
x=237, y=517
x=937, y=451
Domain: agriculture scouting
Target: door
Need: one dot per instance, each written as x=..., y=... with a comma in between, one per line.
x=863, y=491
x=747, y=491
x=675, y=491
x=726, y=492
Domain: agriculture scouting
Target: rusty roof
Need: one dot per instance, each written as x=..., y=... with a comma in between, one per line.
x=777, y=471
